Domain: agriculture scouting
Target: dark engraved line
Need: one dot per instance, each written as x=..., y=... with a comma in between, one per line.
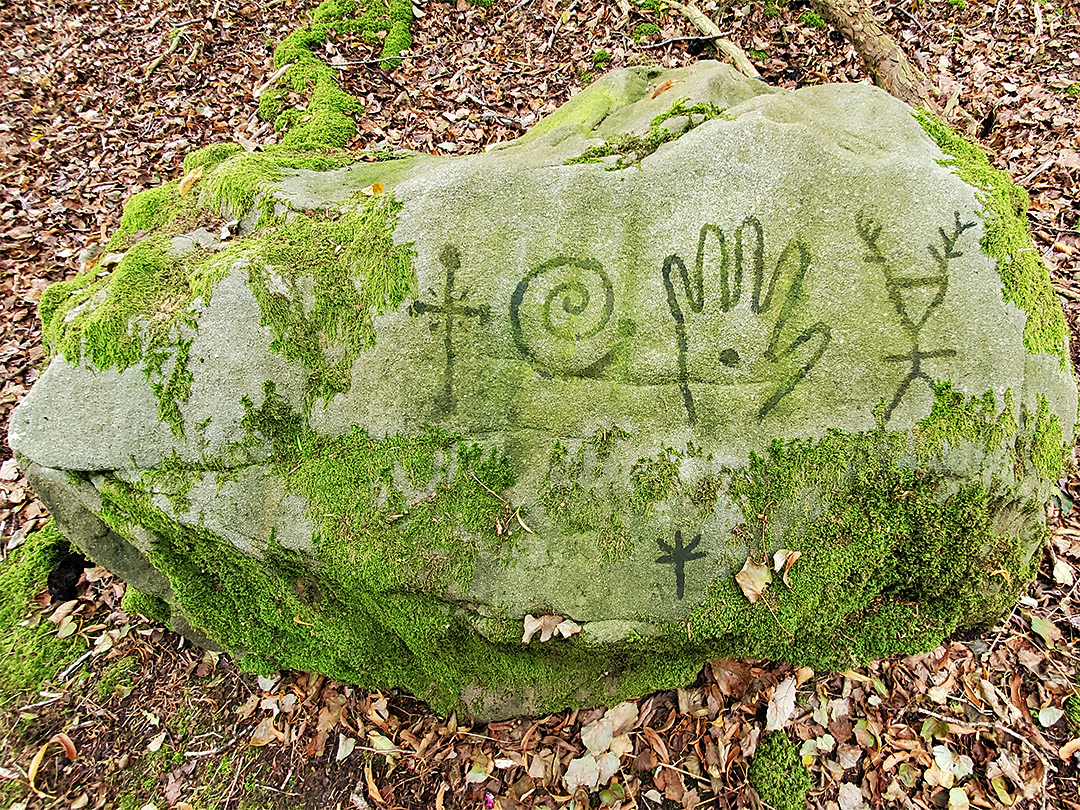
x=896, y=285
x=730, y=287
x=575, y=299
x=450, y=308
x=678, y=557
x=694, y=288
x=757, y=262
x=819, y=330
x=915, y=358
x=680, y=332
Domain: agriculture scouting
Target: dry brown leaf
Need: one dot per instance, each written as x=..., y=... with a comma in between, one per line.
x=753, y=579
x=782, y=562
x=732, y=677
x=1068, y=749
x=65, y=742
x=667, y=84
x=189, y=181
x=264, y=733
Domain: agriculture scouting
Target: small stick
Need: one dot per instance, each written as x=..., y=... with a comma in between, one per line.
x=172, y=49
x=673, y=40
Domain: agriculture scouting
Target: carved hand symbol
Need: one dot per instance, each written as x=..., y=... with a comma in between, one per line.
x=717, y=280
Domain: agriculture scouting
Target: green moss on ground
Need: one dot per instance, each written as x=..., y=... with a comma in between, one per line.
x=327, y=121
x=812, y=19
x=30, y=652
x=116, y=673
x=643, y=31
x=778, y=774
x=632, y=149
x=1024, y=278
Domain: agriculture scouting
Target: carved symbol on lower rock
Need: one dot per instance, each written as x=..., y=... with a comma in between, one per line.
x=679, y=556
x=777, y=295
x=914, y=297
x=450, y=308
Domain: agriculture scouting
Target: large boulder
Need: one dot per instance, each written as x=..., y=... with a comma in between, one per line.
x=695, y=368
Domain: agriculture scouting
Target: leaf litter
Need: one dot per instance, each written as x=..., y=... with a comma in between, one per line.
x=987, y=721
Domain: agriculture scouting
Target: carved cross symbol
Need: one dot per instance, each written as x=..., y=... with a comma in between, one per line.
x=450, y=308
x=678, y=557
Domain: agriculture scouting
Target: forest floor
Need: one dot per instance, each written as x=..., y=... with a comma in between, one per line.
x=134, y=717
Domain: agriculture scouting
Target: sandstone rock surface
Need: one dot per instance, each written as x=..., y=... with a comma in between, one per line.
x=665, y=337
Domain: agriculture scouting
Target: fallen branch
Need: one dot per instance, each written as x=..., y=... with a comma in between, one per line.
x=707, y=27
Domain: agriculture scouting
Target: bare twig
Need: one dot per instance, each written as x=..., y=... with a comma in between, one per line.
x=1046, y=164
x=672, y=40
x=172, y=49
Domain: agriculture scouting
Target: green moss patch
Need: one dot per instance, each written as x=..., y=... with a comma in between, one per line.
x=154, y=608
x=778, y=774
x=327, y=121
x=632, y=149
x=319, y=280
x=30, y=652
x=1007, y=240
x=894, y=558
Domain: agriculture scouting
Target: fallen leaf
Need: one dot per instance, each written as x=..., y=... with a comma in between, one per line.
x=1068, y=749
x=567, y=628
x=850, y=797
x=782, y=562
x=582, y=772
x=345, y=747
x=65, y=742
x=264, y=733
x=958, y=799
x=781, y=706
x=732, y=677
x=478, y=772
x=373, y=190
x=753, y=579
x=1063, y=573
x=9, y=470
x=667, y=84
x=156, y=742
x=1047, y=629
x=596, y=736
x=1050, y=715
x=189, y=181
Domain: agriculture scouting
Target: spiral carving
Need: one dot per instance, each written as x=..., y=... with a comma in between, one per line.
x=561, y=315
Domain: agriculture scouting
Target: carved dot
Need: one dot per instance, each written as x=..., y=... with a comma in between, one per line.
x=729, y=357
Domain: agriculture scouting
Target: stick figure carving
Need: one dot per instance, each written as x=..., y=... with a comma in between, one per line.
x=914, y=297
